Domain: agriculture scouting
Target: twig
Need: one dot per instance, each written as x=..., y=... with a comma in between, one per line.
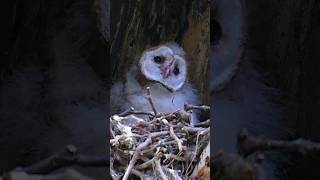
x=135, y=157
x=131, y=111
x=164, y=136
x=141, y=147
x=175, y=137
x=203, y=124
x=194, y=154
x=67, y=157
x=145, y=165
x=249, y=144
x=193, y=129
x=174, y=173
x=175, y=157
x=138, y=173
x=152, y=148
x=158, y=168
x=156, y=134
x=150, y=101
x=188, y=107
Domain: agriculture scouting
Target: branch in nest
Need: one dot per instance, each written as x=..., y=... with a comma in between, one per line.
x=67, y=157
x=156, y=134
x=175, y=137
x=248, y=145
x=175, y=157
x=168, y=117
x=145, y=165
x=173, y=174
x=203, y=124
x=150, y=101
x=132, y=111
x=137, y=152
x=135, y=157
x=160, y=144
x=194, y=129
x=188, y=107
x=138, y=173
x=158, y=168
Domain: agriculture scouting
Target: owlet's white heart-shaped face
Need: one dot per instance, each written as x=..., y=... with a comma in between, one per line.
x=164, y=66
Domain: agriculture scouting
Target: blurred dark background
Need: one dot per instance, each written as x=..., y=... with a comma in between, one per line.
x=275, y=92
x=53, y=80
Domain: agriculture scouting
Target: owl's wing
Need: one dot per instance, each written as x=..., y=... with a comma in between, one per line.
x=117, y=98
x=192, y=97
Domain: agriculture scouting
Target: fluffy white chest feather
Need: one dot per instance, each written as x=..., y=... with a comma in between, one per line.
x=165, y=101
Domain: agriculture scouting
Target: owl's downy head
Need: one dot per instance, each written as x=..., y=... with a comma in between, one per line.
x=165, y=64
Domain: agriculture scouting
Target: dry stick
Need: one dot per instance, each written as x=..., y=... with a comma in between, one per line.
x=144, y=159
x=176, y=175
x=138, y=173
x=112, y=133
x=64, y=158
x=118, y=137
x=150, y=101
x=248, y=145
x=132, y=111
x=155, y=146
x=145, y=165
x=203, y=124
x=194, y=155
x=205, y=132
x=137, y=152
x=175, y=157
x=158, y=167
x=193, y=129
x=175, y=137
x=140, y=128
x=156, y=134
x=135, y=157
x=114, y=175
x=188, y=107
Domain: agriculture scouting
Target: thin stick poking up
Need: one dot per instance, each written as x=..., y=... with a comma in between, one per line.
x=175, y=137
x=150, y=101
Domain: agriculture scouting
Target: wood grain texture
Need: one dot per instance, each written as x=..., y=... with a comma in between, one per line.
x=137, y=25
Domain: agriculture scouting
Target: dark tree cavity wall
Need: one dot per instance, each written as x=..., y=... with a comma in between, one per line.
x=138, y=24
x=287, y=41
x=53, y=80
x=285, y=37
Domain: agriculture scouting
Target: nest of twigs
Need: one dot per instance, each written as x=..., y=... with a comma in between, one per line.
x=152, y=145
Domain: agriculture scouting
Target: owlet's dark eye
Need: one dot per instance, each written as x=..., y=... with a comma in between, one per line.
x=158, y=59
x=176, y=71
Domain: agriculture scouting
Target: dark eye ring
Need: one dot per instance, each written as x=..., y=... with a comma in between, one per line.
x=158, y=59
x=176, y=70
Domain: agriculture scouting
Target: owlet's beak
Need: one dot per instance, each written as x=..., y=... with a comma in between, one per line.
x=167, y=69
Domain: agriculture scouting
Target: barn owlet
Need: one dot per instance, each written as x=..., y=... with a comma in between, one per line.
x=162, y=68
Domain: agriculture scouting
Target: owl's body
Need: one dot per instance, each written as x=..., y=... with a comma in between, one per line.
x=132, y=92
